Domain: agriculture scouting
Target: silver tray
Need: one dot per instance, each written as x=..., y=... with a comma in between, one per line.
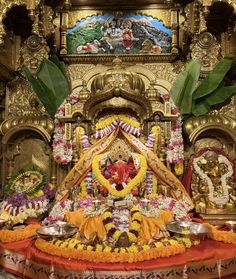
x=58, y=230
x=188, y=228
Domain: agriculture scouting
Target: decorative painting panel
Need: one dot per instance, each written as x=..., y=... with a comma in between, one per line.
x=114, y=35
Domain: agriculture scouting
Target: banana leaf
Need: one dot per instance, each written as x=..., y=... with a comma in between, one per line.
x=51, y=84
x=47, y=98
x=54, y=80
x=213, y=80
x=60, y=65
x=219, y=96
x=184, y=86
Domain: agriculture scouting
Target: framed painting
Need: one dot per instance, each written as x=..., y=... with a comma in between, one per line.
x=131, y=35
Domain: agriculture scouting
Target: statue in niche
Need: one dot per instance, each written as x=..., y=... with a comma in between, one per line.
x=212, y=184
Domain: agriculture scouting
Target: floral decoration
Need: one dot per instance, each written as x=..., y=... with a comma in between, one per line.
x=74, y=249
x=134, y=227
x=7, y=236
x=30, y=199
x=131, y=184
x=224, y=197
x=58, y=212
x=224, y=236
x=109, y=124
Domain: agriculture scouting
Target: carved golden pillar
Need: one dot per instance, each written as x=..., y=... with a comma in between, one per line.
x=64, y=26
x=175, y=25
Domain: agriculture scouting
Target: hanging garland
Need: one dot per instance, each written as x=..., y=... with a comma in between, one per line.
x=135, y=223
x=152, y=143
x=109, y=124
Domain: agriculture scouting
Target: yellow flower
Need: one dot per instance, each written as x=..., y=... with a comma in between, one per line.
x=187, y=242
x=137, y=216
x=132, y=237
x=122, y=250
x=159, y=244
x=107, y=214
x=146, y=247
x=173, y=242
x=117, y=234
x=99, y=248
x=135, y=226
x=107, y=249
x=132, y=249
x=109, y=226
x=80, y=247
x=89, y=248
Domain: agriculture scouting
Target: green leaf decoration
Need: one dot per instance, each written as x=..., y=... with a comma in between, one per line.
x=53, y=79
x=47, y=98
x=184, y=86
x=9, y=190
x=219, y=96
x=60, y=65
x=213, y=79
x=51, y=83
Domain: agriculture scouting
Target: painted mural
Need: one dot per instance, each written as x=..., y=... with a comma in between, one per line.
x=127, y=34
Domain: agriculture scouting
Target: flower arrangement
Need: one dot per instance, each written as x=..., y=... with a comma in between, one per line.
x=27, y=196
x=7, y=236
x=74, y=249
x=109, y=124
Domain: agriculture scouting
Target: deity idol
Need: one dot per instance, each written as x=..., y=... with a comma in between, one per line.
x=117, y=179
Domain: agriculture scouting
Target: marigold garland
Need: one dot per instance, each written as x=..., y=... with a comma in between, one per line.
x=224, y=236
x=135, y=223
x=108, y=121
x=74, y=249
x=104, y=182
x=7, y=236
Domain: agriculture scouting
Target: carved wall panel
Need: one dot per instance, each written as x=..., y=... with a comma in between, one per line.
x=21, y=100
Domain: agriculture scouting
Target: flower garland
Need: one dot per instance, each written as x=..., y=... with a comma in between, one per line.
x=107, y=125
x=36, y=177
x=152, y=143
x=224, y=198
x=7, y=236
x=175, y=149
x=30, y=200
x=82, y=140
x=167, y=203
x=58, y=212
x=62, y=148
x=21, y=213
x=135, y=223
x=132, y=183
x=226, y=237
x=74, y=249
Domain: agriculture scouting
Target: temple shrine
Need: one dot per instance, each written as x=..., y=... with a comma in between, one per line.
x=118, y=139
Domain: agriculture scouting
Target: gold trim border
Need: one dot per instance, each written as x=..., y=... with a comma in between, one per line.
x=106, y=58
